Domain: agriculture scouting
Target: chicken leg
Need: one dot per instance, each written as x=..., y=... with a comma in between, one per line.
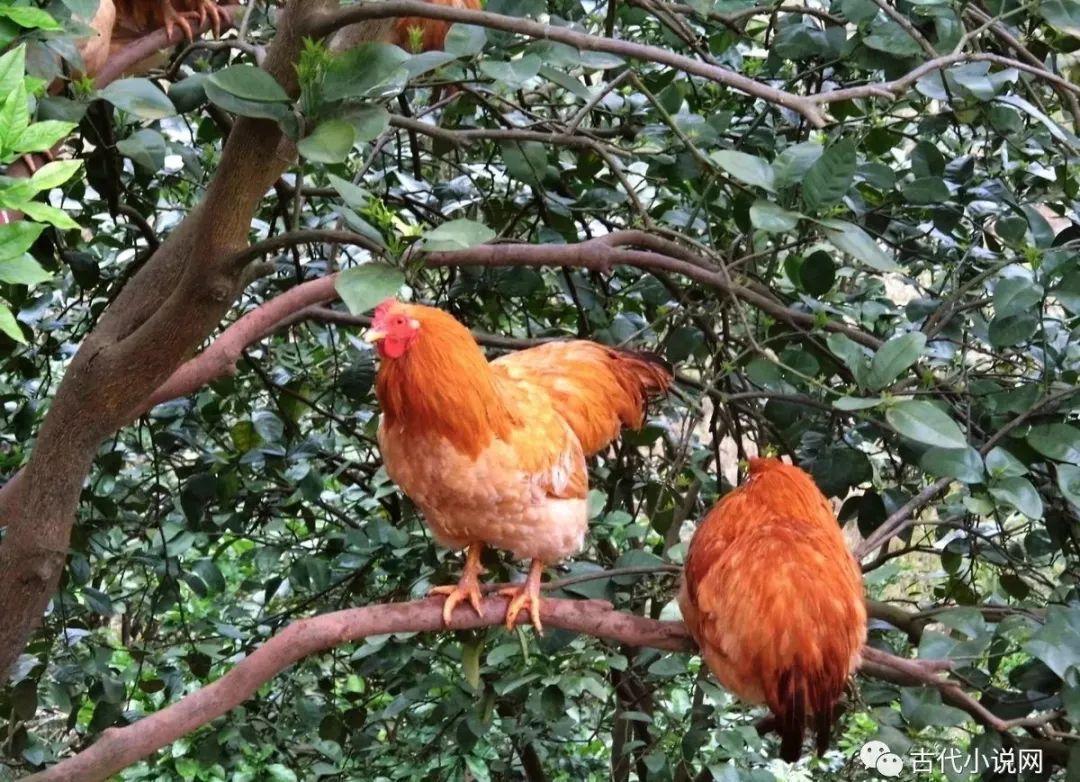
x=467, y=588
x=206, y=8
x=526, y=596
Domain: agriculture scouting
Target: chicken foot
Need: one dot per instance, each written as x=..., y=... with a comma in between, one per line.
x=526, y=596
x=467, y=588
x=207, y=8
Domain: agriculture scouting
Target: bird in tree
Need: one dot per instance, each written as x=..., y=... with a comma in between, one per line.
x=774, y=599
x=493, y=453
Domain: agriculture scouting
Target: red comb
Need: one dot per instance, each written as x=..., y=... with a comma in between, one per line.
x=384, y=306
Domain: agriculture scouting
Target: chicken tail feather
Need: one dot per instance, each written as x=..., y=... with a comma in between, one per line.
x=790, y=710
x=823, y=722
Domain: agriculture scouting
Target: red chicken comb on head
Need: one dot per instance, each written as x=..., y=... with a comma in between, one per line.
x=383, y=309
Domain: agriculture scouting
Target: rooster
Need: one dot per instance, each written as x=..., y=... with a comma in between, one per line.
x=775, y=601
x=493, y=453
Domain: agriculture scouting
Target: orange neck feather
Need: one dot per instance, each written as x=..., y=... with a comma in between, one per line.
x=443, y=384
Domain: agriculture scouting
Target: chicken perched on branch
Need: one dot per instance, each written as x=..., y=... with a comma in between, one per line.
x=494, y=453
x=775, y=600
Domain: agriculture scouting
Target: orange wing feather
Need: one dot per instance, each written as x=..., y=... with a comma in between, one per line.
x=597, y=389
x=775, y=600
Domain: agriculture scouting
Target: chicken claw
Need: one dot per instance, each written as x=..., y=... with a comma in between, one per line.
x=526, y=597
x=206, y=9
x=468, y=588
x=174, y=19
x=217, y=17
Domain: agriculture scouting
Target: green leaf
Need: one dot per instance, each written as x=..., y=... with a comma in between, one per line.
x=749, y=169
x=145, y=147
x=1016, y=295
x=791, y=165
x=422, y=63
x=22, y=270
x=851, y=403
x=41, y=136
x=48, y=214
x=858, y=11
x=9, y=325
x=12, y=69
x=1062, y=14
x=245, y=108
x=853, y=240
x=248, y=92
x=330, y=142
x=1002, y=464
x=771, y=218
x=353, y=195
x=140, y=97
x=54, y=174
x=525, y=160
x=14, y=115
x=456, y=235
x=465, y=40
x=1012, y=329
x=512, y=73
x=894, y=357
x=926, y=190
x=363, y=287
x=249, y=83
x=369, y=121
x=370, y=70
x=850, y=352
x=361, y=226
x=1020, y=494
x=830, y=177
x=1068, y=480
x=1058, y=441
x=963, y=464
x=817, y=273
x=33, y=18
x=16, y=238
x=925, y=423
x=280, y=773
x=1057, y=643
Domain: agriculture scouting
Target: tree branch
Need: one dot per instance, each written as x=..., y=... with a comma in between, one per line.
x=601, y=253
x=898, y=86
x=118, y=748
x=329, y=21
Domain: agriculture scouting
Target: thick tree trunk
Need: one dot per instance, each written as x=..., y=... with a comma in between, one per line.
x=159, y=319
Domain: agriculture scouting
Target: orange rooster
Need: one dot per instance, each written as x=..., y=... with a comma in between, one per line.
x=775, y=601
x=493, y=454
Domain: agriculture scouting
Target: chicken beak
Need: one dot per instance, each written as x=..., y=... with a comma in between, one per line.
x=372, y=336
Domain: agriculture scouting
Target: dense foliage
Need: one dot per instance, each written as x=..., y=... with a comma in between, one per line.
x=917, y=256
